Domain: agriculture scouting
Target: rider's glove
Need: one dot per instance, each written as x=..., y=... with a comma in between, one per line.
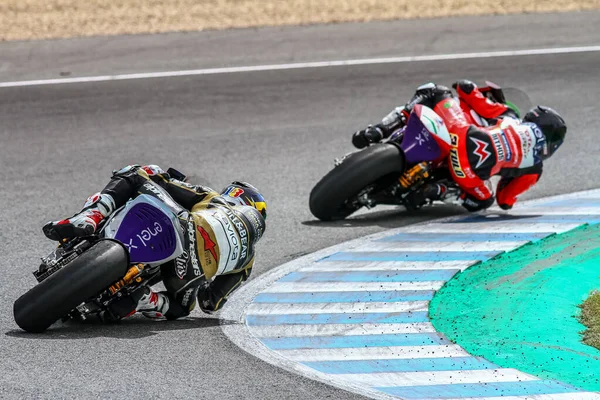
x=363, y=138
x=465, y=85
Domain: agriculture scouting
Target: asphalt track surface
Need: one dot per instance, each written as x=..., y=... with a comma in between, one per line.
x=279, y=130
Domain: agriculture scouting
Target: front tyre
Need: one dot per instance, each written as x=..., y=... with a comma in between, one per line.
x=330, y=198
x=85, y=277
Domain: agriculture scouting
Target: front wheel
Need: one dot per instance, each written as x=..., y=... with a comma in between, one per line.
x=83, y=278
x=331, y=198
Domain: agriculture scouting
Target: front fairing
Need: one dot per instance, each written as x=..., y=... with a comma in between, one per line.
x=425, y=137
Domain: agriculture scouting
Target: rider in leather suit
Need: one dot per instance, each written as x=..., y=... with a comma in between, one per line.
x=220, y=231
x=487, y=140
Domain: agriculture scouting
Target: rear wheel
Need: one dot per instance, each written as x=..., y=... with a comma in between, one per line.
x=85, y=277
x=332, y=198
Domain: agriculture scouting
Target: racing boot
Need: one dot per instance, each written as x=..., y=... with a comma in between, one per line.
x=96, y=208
x=153, y=304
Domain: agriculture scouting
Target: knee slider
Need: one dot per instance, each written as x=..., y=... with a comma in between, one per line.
x=126, y=170
x=472, y=204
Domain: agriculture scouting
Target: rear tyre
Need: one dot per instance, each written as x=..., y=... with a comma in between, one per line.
x=329, y=199
x=85, y=277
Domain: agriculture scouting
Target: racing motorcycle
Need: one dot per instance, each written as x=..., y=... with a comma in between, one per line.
x=83, y=276
x=376, y=174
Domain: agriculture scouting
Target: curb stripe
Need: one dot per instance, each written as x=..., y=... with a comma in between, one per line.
x=435, y=246
x=352, y=286
x=358, y=318
x=345, y=297
x=552, y=219
x=452, y=227
x=336, y=342
x=496, y=389
x=374, y=353
x=401, y=365
x=370, y=276
x=479, y=377
x=334, y=308
x=339, y=329
x=409, y=256
x=466, y=237
x=382, y=265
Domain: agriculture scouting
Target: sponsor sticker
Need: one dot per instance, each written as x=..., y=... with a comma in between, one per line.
x=192, y=248
x=481, y=151
x=181, y=264
x=454, y=160
x=235, y=192
x=241, y=228
x=506, y=146
x=499, y=146
x=187, y=296
x=209, y=245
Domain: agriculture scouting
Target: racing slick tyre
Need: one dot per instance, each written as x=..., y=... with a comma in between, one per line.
x=331, y=198
x=88, y=275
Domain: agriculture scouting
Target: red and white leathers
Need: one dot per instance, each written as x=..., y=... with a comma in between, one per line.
x=487, y=140
x=507, y=148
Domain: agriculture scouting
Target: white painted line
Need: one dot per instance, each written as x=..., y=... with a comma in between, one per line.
x=269, y=331
x=554, y=396
x=559, y=211
x=374, y=353
x=315, y=64
x=496, y=227
x=311, y=287
x=333, y=266
x=438, y=246
x=341, y=308
x=438, y=377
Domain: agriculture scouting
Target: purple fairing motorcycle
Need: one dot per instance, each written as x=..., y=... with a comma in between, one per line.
x=83, y=276
x=371, y=176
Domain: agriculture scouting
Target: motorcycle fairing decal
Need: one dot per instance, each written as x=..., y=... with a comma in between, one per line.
x=480, y=151
x=209, y=244
x=147, y=229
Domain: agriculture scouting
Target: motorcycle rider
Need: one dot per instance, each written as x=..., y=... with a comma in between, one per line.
x=487, y=140
x=220, y=234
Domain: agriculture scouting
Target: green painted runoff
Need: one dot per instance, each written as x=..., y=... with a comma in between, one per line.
x=519, y=310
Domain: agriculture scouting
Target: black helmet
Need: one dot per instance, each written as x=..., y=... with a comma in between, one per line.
x=551, y=124
x=244, y=194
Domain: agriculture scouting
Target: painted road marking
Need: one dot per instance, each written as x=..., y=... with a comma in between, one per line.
x=308, y=287
x=471, y=238
x=478, y=389
x=328, y=308
x=382, y=265
x=498, y=227
x=355, y=315
x=345, y=297
x=374, y=353
x=554, y=396
x=411, y=256
x=454, y=378
x=304, y=65
x=337, y=318
x=479, y=246
x=339, y=329
x=338, y=342
x=370, y=276
x=402, y=365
